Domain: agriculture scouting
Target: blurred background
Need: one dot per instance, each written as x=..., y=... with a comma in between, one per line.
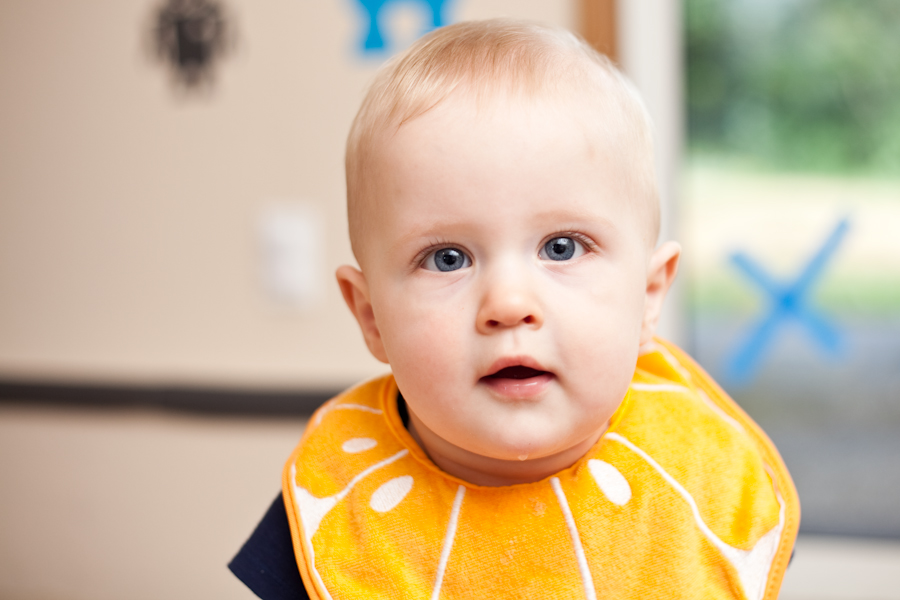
x=172, y=212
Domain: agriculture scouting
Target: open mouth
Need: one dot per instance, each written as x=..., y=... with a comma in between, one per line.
x=517, y=372
x=518, y=382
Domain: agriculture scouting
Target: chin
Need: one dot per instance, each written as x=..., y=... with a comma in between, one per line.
x=513, y=446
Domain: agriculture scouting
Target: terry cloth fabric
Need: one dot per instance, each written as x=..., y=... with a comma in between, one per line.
x=682, y=497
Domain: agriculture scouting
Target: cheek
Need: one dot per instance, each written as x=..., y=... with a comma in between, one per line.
x=601, y=328
x=610, y=298
x=410, y=332
x=427, y=354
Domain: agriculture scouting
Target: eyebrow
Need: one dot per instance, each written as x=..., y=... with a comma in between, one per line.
x=419, y=231
x=567, y=215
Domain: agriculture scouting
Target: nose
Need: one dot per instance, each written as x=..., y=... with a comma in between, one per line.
x=509, y=301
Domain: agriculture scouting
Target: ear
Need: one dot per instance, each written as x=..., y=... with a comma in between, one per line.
x=660, y=275
x=355, y=290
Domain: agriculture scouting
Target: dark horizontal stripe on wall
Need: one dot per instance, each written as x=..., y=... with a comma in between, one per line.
x=193, y=399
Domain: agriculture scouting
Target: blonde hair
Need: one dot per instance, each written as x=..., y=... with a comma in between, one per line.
x=485, y=58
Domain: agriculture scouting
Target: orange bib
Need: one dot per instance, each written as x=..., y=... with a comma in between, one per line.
x=683, y=497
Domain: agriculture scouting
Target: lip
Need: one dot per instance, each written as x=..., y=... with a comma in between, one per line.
x=514, y=361
x=517, y=389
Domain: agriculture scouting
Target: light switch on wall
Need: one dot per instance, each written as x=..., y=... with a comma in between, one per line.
x=291, y=238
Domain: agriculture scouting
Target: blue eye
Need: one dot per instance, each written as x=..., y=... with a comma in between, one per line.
x=562, y=248
x=447, y=259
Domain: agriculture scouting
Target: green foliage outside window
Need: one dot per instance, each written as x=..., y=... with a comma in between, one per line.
x=810, y=85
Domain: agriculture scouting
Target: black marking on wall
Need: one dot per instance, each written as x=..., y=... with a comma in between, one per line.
x=191, y=37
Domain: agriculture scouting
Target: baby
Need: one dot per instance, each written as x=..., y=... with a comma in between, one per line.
x=534, y=440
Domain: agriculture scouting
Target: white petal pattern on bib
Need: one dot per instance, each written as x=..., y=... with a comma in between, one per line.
x=390, y=493
x=352, y=446
x=610, y=481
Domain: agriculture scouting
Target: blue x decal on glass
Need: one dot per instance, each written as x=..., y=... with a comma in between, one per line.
x=787, y=301
x=374, y=40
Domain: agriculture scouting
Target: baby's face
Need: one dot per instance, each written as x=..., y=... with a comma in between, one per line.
x=506, y=268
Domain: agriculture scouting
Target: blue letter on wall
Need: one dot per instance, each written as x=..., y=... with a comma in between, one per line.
x=374, y=41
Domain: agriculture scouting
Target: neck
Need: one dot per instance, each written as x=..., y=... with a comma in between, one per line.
x=494, y=472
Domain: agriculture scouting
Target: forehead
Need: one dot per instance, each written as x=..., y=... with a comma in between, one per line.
x=463, y=143
x=466, y=164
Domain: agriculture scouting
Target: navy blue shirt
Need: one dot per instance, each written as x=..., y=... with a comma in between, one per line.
x=266, y=562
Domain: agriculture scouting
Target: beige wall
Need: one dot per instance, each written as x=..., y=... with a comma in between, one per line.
x=129, y=213
x=650, y=51
x=124, y=505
